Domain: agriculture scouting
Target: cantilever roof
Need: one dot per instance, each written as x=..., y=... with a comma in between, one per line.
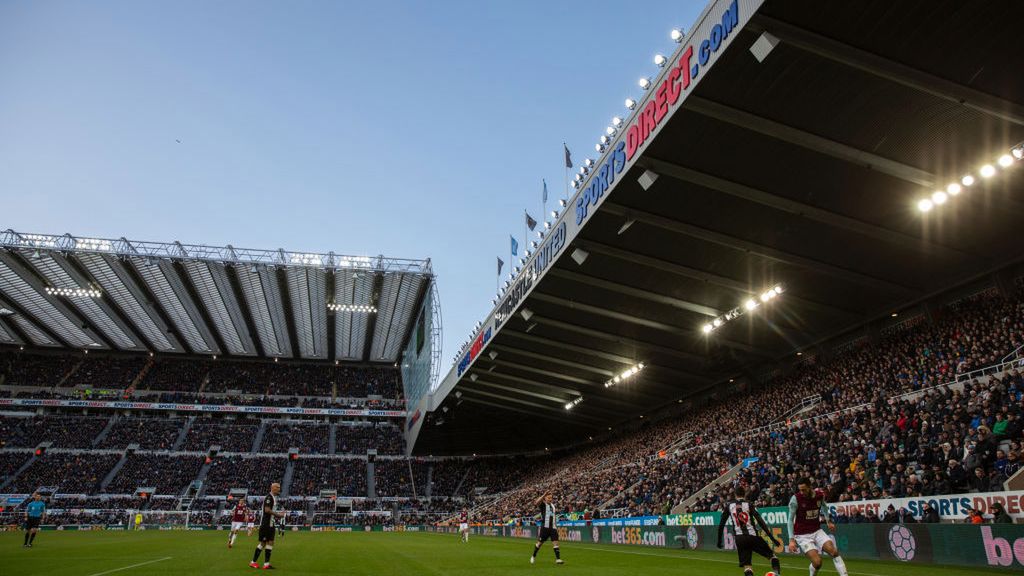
x=95, y=293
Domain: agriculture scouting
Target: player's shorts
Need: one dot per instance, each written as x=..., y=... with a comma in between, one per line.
x=463, y=527
x=33, y=523
x=267, y=533
x=548, y=534
x=235, y=526
x=813, y=541
x=250, y=525
x=747, y=545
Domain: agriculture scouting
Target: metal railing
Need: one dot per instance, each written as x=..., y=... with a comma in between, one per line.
x=228, y=254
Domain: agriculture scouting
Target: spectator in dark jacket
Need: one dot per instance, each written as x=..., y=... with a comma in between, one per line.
x=929, y=515
x=890, y=516
x=999, y=515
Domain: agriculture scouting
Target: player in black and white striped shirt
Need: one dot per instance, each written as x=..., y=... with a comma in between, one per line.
x=746, y=526
x=268, y=514
x=548, y=527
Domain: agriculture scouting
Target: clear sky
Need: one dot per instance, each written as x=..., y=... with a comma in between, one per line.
x=410, y=129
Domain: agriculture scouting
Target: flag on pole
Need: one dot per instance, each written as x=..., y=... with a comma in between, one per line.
x=530, y=222
x=500, y=265
x=568, y=156
x=545, y=195
x=515, y=246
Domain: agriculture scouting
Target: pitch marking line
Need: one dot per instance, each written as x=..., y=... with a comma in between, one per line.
x=132, y=566
x=681, y=557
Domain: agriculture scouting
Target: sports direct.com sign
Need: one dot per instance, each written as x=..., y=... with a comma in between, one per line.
x=952, y=507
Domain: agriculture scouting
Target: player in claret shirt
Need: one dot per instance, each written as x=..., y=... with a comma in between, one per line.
x=807, y=511
x=464, y=525
x=238, y=518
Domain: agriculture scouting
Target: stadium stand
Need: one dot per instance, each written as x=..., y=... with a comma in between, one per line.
x=231, y=436
x=311, y=438
x=61, y=431
x=347, y=476
x=148, y=433
x=77, y=473
x=165, y=474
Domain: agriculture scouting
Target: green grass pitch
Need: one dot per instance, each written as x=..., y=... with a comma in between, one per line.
x=172, y=553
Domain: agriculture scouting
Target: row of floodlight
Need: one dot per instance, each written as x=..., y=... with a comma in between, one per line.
x=749, y=305
x=626, y=375
x=660, y=60
x=940, y=197
x=363, y=308
x=74, y=292
x=573, y=403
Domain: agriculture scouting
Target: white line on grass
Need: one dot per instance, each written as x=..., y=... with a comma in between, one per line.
x=132, y=566
x=695, y=559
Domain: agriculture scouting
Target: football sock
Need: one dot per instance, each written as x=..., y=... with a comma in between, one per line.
x=748, y=572
x=536, y=548
x=776, y=565
x=256, y=555
x=231, y=540
x=558, y=553
x=266, y=554
x=27, y=534
x=840, y=565
x=32, y=538
x=813, y=570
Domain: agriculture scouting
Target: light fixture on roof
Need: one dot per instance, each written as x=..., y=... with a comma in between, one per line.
x=605, y=139
x=924, y=205
x=562, y=203
x=677, y=35
x=1018, y=152
x=599, y=148
x=73, y=292
x=630, y=103
x=660, y=60
x=647, y=179
x=987, y=171
x=526, y=313
x=473, y=377
x=492, y=354
x=6, y=312
x=579, y=255
x=749, y=306
x=626, y=375
x=617, y=122
x=939, y=197
x=589, y=163
x=763, y=46
x=573, y=403
x=547, y=225
x=644, y=83
x=967, y=180
x=953, y=189
x=610, y=131
x=1005, y=161
x=360, y=308
x=554, y=213
x=533, y=243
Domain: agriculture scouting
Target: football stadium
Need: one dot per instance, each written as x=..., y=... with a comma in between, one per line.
x=775, y=324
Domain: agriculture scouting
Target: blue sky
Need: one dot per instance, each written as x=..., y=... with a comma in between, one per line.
x=410, y=129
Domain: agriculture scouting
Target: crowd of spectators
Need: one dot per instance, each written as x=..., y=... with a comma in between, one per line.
x=230, y=435
x=69, y=473
x=162, y=473
x=28, y=369
x=148, y=433
x=253, y=473
x=309, y=438
x=175, y=375
x=10, y=462
x=902, y=440
x=106, y=372
x=360, y=437
x=60, y=430
x=392, y=477
x=311, y=475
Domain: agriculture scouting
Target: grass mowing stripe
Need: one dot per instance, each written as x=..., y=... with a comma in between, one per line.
x=132, y=566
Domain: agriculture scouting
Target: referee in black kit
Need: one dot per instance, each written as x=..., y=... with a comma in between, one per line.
x=748, y=539
x=548, y=527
